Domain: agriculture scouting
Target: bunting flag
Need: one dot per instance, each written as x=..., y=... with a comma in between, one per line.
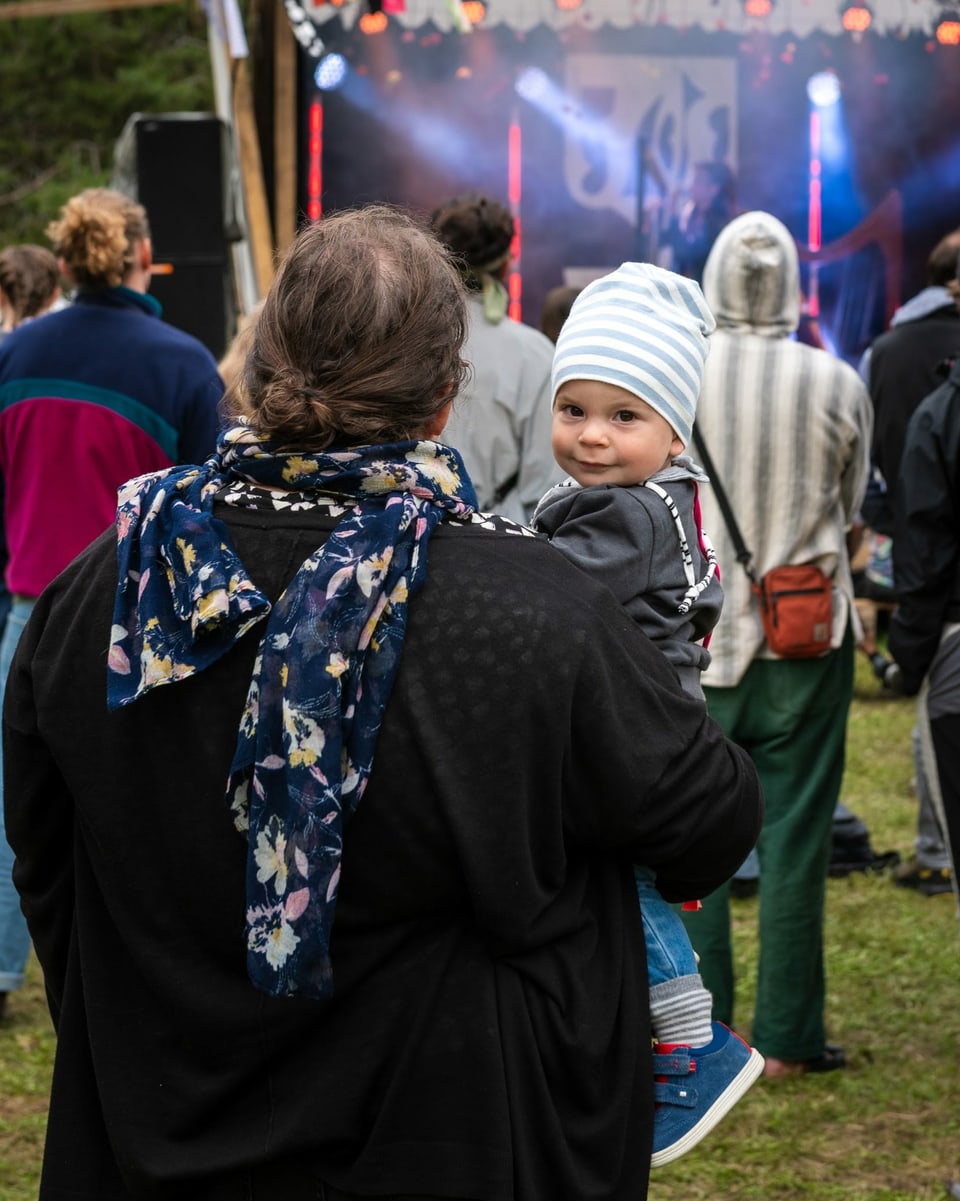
x=800, y=18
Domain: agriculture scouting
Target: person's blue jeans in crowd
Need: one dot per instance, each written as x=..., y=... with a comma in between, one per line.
x=669, y=953
x=14, y=939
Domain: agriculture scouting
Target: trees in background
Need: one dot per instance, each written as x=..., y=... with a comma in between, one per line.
x=68, y=86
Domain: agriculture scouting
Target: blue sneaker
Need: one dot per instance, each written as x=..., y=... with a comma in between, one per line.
x=695, y=1087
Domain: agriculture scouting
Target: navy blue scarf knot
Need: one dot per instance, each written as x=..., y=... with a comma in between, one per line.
x=324, y=670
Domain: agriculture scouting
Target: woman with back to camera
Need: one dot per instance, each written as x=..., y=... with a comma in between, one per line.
x=89, y=396
x=501, y=421
x=341, y=785
x=29, y=285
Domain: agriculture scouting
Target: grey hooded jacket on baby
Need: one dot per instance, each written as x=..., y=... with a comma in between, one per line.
x=628, y=538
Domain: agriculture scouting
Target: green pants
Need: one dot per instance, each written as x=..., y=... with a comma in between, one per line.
x=791, y=717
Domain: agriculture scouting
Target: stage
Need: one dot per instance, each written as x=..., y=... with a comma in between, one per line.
x=590, y=129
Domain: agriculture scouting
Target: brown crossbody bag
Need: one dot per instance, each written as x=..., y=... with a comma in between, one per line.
x=796, y=601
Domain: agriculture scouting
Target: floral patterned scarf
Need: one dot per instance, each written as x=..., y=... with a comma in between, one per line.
x=324, y=670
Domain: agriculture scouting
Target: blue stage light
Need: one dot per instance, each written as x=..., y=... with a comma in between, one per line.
x=823, y=89
x=331, y=72
x=532, y=84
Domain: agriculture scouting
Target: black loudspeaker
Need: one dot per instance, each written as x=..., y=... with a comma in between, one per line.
x=174, y=165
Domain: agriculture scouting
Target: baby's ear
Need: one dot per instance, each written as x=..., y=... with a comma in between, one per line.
x=677, y=446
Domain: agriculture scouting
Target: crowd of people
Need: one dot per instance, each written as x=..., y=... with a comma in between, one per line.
x=92, y=394
x=903, y=366
x=389, y=706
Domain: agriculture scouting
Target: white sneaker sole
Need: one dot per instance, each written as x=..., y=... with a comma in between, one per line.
x=717, y=1111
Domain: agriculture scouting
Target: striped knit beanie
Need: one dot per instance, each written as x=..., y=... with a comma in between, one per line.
x=645, y=330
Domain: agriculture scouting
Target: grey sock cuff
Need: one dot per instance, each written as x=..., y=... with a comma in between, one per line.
x=681, y=1011
x=675, y=987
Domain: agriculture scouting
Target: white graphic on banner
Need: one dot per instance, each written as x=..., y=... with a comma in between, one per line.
x=680, y=110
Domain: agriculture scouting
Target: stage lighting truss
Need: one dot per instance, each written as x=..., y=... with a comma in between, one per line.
x=304, y=29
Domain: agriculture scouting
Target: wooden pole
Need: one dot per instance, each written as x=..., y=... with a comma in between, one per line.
x=13, y=9
x=284, y=130
x=259, y=231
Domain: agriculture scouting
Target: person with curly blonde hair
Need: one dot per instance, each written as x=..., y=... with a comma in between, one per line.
x=91, y=395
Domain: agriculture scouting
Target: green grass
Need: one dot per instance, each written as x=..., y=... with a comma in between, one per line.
x=886, y=1129
x=26, y=1065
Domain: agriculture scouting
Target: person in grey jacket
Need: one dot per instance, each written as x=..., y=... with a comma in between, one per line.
x=644, y=541
x=626, y=375
x=500, y=422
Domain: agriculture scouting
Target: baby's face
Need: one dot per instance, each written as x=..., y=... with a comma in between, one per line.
x=603, y=434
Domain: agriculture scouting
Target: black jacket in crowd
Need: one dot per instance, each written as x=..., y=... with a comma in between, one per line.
x=904, y=368
x=926, y=543
x=489, y=1035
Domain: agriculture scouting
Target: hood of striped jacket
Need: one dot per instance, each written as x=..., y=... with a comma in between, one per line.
x=752, y=277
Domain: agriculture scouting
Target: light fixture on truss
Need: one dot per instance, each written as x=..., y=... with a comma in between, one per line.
x=856, y=18
x=948, y=27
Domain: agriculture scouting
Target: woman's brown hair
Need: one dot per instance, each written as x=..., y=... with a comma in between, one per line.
x=359, y=338
x=478, y=230
x=29, y=278
x=96, y=235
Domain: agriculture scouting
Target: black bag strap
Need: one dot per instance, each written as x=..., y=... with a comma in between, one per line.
x=505, y=489
x=743, y=554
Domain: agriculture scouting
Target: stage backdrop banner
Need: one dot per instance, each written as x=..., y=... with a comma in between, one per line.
x=684, y=109
x=798, y=18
